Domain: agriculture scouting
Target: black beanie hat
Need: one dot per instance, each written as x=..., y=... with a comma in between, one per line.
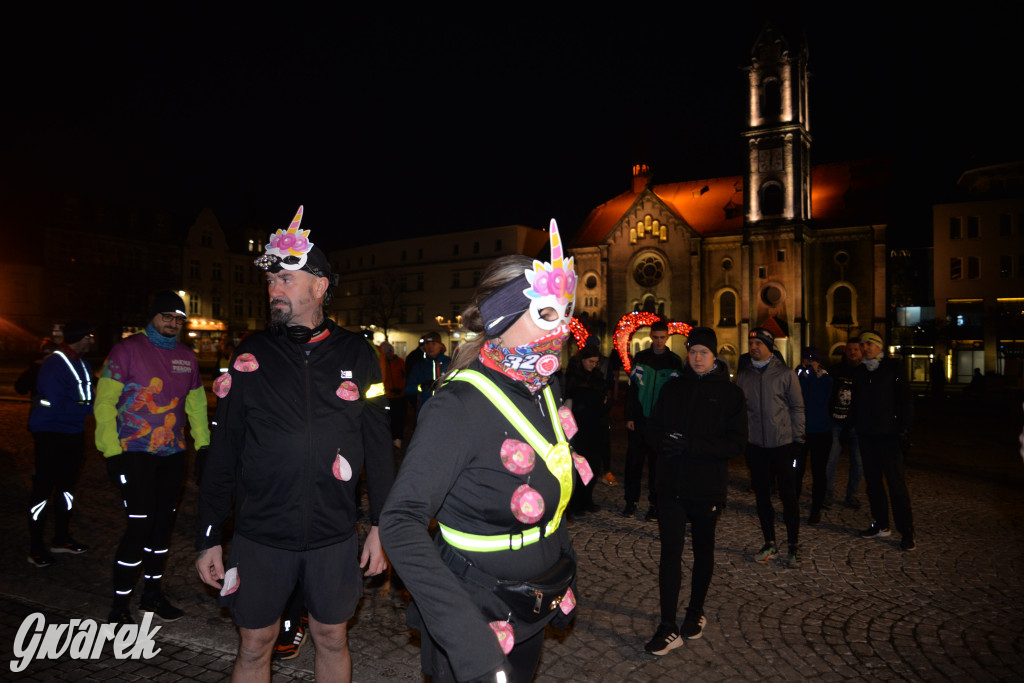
x=703, y=336
x=167, y=302
x=76, y=330
x=766, y=337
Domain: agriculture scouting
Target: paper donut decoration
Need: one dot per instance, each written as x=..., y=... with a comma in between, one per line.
x=342, y=469
x=517, y=457
x=527, y=504
x=246, y=363
x=348, y=391
x=583, y=467
x=568, y=602
x=222, y=385
x=565, y=416
x=505, y=635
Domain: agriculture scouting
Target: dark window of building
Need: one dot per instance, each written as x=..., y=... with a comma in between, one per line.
x=1005, y=225
x=973, y=227
x=771, y=199
x=419, y=315
x=239, y=307
x=955, y=228
x=727, y=310
x=648, y=271
x=455, y=280
x=193, y=305
x=590, y=282
x=497, y=245
x=419, y=282
x=973, y=268
x=772, y=100
x=650, y=305
x=727, y=264
x=403, y=255
x=216, y=272
x=239, y=274
x=762, y=272
x=455, y=250
x=419, y=254
x=1005, y=265
x=476, y=277
x=771, y=295
x=956, y=268
x=193, y=269
x=215, y=300
x=842, y=306
x=780, y=255
x=476, y=247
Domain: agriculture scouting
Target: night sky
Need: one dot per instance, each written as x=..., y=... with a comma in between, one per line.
x=396, y=124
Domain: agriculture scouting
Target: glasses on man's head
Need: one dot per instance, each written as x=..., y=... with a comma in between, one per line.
x=171, y=318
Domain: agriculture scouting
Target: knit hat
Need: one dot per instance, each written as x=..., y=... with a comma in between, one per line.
x=703, y=336
x=75, y=330
x=589, y=351
x=765, y=337
x=167, y=302
x=811, y=353
x=430, y=336
x=871, y=337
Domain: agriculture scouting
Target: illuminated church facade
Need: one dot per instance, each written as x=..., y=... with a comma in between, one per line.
x=784, y=244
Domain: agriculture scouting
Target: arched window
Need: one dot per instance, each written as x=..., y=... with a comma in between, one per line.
x=771, y=199
x=772, y=99
x=842, y=306
x=650, y=305
x=727, y=309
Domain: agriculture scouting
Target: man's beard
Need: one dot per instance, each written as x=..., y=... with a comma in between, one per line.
x=281, y=316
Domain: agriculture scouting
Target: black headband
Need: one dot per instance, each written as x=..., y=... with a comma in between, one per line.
x=504, y=306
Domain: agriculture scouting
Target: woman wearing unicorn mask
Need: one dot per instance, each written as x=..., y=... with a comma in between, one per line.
x=490, y=461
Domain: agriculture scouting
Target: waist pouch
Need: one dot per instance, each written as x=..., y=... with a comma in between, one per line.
x=530, y=600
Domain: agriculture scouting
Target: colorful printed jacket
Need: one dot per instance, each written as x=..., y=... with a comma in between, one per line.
x=143, y=396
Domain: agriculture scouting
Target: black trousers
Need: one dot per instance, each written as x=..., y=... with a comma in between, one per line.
x=883, y=458
x=637, y=452
x=150, y=487
x=703, y=518
x=58, y=459
x=817, y=448
x=766, y=466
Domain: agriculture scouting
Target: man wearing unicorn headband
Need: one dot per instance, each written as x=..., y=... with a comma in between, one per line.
x=490, y=461
x=302, y=409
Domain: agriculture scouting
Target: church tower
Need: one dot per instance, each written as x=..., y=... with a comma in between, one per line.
x=777, y=183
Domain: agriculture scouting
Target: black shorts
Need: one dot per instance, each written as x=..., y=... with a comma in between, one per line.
x=330, y=579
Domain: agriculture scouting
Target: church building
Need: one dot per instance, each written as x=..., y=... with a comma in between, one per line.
x=796, y=248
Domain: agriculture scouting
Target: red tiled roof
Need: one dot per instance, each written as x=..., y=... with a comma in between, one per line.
x=845, y=193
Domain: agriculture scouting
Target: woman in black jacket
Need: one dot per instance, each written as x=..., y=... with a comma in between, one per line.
x=698, y=424
x=490, y=461
x=587, y=396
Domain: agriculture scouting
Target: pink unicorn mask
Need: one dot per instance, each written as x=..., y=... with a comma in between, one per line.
x=552, y=285
x=289, y=248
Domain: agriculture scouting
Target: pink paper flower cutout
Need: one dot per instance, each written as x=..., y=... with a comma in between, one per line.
x=506, y=637
x=222, y=385
x=517, y=457
x=583, y=467
x=568, y=603
x=348, y=391
x=568, y=422
x=527, y=504
x=246, y=363
x=342, y=469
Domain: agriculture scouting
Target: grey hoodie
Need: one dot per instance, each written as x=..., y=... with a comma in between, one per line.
x=775, y=405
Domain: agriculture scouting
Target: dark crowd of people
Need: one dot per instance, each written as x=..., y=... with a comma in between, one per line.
x=507, y=446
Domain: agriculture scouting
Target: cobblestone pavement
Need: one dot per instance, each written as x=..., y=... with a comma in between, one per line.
x=857, y=609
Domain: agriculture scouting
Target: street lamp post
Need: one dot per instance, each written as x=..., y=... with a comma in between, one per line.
x=449, y=325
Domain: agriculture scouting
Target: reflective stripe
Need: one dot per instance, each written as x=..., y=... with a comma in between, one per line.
x=37, y=508
x=557, y=458
x=69, y=498
x=375, y=390
x=486, y=544
x=84, y=391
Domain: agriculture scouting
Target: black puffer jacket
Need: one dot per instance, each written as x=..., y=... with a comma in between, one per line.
x=280, y=430
x=881, y=400
x=710, y=414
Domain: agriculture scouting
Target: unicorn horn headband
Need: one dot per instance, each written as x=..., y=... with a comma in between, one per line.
x=552, y=285
x=287, y=248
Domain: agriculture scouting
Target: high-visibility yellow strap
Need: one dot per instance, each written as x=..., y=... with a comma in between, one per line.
x=375, y=390
x=486, y=544
x=557, y=458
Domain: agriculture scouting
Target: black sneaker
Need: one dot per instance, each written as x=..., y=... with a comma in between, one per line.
x=693, y=626
x=814, y=517
x=907, y=543
x=875, y=531
x=41, y=559
x=652, y=514
x=629, y=510
x=665, y=640
x=158, y=604
x=69, y=545
x=291, y=639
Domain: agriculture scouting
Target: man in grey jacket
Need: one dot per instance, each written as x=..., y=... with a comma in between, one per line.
x=775, y=417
